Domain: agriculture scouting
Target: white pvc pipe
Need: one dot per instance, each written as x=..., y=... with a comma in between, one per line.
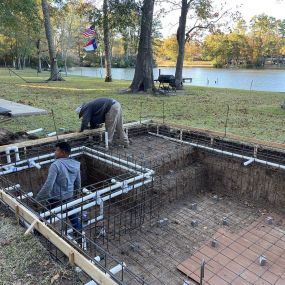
x=83, y=241
x=246, y=163
x=97, y=219
x=26, y=160
x=51, y=134
x=106, y=141
x=22, y=197
x=74, y=211
x=35, y=131
x=73, y=149
x=94, y=195
x=13, y=168
x=116, y=269
x=276, y=165
x=8, y=153
x=89, y=205
x=124, y=184
x=70, y=204
x=38, y=158
x=123, y=191
x=111, y=162
x=85, y=191
x=5, y=167
x=108, y=197
x=32, y=163
x=15, y=187
x=122, y=161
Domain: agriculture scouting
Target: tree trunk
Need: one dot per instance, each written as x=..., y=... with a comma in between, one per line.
x=24, y=62
x=39, y=63
x=126, y=43
x=127, y=53
x=18, y=63
x=181, y=44
x=107, y=47
x=143, y=78
x=79, y=54
x=39, y=56
x=54, y=72
x=65, y=63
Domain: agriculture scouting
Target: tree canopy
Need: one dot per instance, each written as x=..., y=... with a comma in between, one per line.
x=210, y=33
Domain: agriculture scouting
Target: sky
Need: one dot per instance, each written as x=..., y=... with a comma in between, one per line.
x=248, y=9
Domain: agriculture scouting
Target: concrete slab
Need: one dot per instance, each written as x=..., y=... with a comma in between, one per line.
x=18, y=109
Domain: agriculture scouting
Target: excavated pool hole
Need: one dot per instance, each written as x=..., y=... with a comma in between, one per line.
x=150, y=227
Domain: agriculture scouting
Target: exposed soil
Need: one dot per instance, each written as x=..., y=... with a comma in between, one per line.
x=7, y=137
x=25, y=261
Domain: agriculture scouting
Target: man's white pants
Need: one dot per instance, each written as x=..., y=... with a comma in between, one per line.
x=114, y=125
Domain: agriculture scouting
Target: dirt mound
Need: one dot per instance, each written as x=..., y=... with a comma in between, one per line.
x=7, y=137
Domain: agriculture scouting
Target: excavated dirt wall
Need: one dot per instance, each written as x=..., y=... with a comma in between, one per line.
x=254, y=183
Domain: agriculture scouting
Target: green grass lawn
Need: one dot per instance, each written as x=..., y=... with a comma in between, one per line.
x=252, y=114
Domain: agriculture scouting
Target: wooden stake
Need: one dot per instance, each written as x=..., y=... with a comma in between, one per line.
x=71, y=258
x=30, y=228
x=17, y=213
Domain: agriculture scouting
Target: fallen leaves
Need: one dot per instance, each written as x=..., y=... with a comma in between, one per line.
x=55, y=278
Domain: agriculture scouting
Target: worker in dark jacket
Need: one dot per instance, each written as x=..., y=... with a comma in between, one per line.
x=104, y=110
x=63, y=182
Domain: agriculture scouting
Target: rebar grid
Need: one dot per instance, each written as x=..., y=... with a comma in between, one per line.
x=131, y=229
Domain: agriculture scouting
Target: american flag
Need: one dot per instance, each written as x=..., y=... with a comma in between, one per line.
x=89, y=31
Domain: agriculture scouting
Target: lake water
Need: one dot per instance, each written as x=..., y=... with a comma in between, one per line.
x=248, y=79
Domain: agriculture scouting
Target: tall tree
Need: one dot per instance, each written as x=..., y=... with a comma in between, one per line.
x=19, y=43
x=264, y=30
x=143, y=77
x=106, y=29
x=125, y=20
x=54, y=71
x=180, y=35
x=215, y=48
x=203, y=17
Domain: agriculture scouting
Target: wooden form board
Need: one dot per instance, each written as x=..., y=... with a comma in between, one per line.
x=229, y=137
x=70, y=136
x=210, y=133
x=74, y=256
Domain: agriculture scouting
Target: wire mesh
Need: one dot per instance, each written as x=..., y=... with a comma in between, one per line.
x=154, y=227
